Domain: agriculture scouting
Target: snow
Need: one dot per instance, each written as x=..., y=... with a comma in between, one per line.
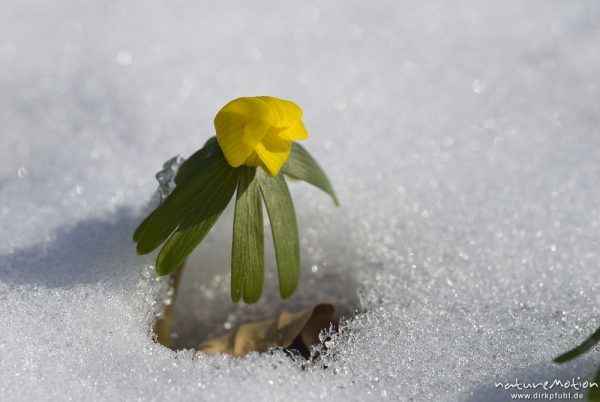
x=463, y=141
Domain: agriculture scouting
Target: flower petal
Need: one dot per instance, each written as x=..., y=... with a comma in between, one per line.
x=256, y=131
x=240, y=125
x=251, y=107
x=273, y=152
x=284, y=113
x=296, y=132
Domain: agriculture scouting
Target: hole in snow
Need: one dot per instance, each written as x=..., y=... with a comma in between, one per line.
x=203, y=309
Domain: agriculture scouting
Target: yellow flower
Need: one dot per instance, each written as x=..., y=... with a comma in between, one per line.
x=258, y=131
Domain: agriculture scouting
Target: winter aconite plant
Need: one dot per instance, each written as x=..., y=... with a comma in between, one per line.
x=587, y=345
x=252, y=153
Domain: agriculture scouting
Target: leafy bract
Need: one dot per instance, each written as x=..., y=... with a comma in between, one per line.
x=205, y=184
x=284, y=229
x=214, y=197
x=302, y=166
x=187, y=171
x=581, y=349
x=594, y=395
x=194, y=163
x=167, y=216
x=142, y=227
x=589, y=343
x=247, y=252
x=191, y=210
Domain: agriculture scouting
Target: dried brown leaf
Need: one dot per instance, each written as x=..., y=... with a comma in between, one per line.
x=278, y=332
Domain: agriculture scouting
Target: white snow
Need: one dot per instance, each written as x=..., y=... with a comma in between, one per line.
x=462, y=138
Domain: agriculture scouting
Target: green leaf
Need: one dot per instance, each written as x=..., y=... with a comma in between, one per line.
x=581, y=349
x=194, y=164
x=167, y=216
x=140, y=229
x=284, y=229
x=594, y=395
x=247, y=251
x=302, y=166
x=189, y=169
x=213, y=198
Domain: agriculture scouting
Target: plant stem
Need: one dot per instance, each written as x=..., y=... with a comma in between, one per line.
x=162, y=327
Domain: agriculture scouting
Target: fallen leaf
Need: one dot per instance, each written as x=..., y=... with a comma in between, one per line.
x=281, y=332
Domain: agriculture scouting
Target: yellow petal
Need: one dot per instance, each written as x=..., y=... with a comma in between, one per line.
x=249, y=106
x=240, y=125
x=296, y=132
x=284, y=113
x=257, y=131
x=273, y=152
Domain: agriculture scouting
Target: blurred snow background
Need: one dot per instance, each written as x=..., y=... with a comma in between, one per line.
x=462, y=138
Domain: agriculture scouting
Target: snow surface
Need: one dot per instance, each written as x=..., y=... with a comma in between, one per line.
x=463, y=141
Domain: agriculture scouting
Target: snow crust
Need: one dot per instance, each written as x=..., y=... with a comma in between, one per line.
x=463, y=141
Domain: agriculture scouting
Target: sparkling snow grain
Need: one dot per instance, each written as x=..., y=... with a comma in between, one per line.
x=463, y=141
